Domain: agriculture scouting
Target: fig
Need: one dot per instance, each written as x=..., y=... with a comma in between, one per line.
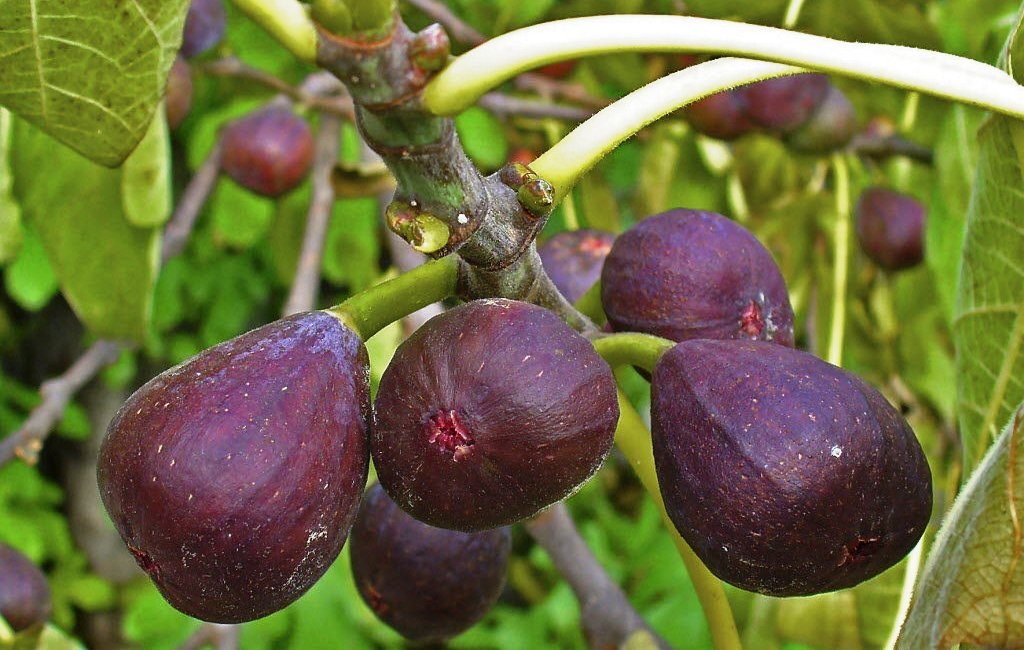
x=234, y=477
x=787, y=475
x=523, y=156
x=784, y=104
x=268, y=152
x=204, y=27
x=890, y=227
x=559, y=70
x=24, y=592
x=573, y=259
x=831, y=127
x=429, y=584
x=722, y=116
x=178, y=101
x=489, y=413
x=687, y=274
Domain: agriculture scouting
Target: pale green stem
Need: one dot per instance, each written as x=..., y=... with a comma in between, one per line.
x=911, y=571
x=632, y=349
x=501, y=58
x=590, y=304
x=792, y=13
x=634, y=441
x=841, y=260
x=286, y=21
x=370, y=311
x=553, y=130
x=565, y=163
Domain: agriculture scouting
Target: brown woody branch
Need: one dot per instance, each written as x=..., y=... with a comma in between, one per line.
x=213, y=635
x=323, y=99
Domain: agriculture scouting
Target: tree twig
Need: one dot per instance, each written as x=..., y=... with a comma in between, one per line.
x=307, y=274
x=326, y=99
x=213, y=635
x=506, y=105
x=458, y=28
x=191, y=203
x=880, y=147
x=608, y=619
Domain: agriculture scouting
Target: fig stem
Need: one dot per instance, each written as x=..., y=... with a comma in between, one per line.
x=943, y=75
x=287, y=22
x=370, y=311
x=841, y=260
x=634, y=440
x=590, y=304
x=632, y=349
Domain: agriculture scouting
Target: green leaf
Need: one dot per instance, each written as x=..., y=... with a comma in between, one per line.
x=10, y=211
x=483, y=137
x=146, y=178
x=90, y=73
x=106, y=267
x=971, y=585
x=30, y=280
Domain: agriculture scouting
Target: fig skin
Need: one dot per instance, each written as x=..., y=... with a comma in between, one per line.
x=489, y=413
x=783, y=104
x=268, y=152
x=573, y=259
x=24, y=593
x=722, y=116
x=204, y=27
x=688, y=274
x=788, y=476
x=179, y=93
x=831, y=127
x=890, y=228
x=429, y=584
x=234, y=477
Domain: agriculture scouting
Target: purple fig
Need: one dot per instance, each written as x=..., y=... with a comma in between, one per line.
x=24, y=592
x=830, y=128
x=784, y=104
x=489, y=413
x=427, y=583
x=178, y=101
x=688, y=274
x=890, y=227
x=204, y=27
x=722, y=116
x=573, y=259
x=788, y=476
x=268, y=152
x=234, y=477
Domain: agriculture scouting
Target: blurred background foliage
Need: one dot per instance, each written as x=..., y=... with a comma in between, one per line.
x=238, y=265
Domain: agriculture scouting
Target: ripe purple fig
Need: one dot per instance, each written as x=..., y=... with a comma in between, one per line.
x=722, y=116
x=24, y=592
x=489, y=413
x=178, y=101
x=687, y=274
x=788, y=476
x=204, y=27
x=890, y=227
x=784, y=104
x=268, y=152
x=234, y=477
x=573, y=259
x=427, y=583
x=831, y=127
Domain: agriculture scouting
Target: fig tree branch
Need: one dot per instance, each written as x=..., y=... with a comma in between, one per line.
x=213, y=635
x=506, y=105
x=303, y=293
x=609, y=620
x=880, y=147
x=458, y=28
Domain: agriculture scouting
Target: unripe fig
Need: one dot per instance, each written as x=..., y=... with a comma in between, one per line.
x=204, y=27
x=784, y=104
x=178, y=100
x=234, y=477
x=687, y=274
x=268, y=152
x=24, y=592
x=831, y=127
x=427, y=583
x=787, y=475
x=489, y=413
x=573, y=259
x=890, y=227
x=722, y=116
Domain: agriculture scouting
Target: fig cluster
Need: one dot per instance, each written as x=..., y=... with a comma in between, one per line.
x=805, y=110
x=24, y=593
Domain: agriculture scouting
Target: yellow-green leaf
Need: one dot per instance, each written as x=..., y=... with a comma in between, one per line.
x=146, y=178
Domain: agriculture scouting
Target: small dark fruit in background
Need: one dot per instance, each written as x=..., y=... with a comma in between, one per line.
x=573, y=259
x=890, y=227
x=559, y=70
x=24, y=592
x=688, y=274
x=722, y=116
x=783, y=104
x=788, y=476
x=489, y=413
x=831, y=127
x=178, y=100
x=427, y=583
x=204, y=27
x=234, y=477
x=269, y=151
